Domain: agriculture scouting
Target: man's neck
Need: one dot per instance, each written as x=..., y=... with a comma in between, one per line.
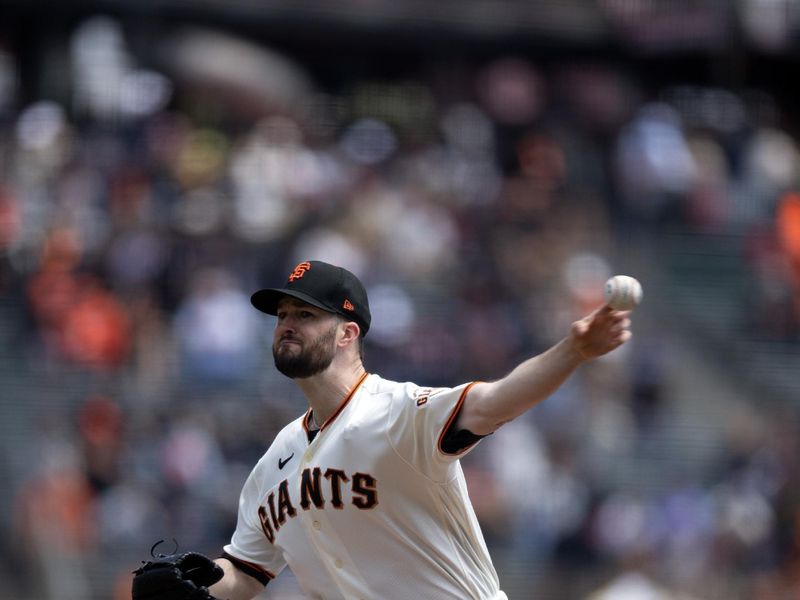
x=326, y=391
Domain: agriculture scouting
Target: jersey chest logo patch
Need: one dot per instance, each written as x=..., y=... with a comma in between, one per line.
x=282, y=462
x=318, y=489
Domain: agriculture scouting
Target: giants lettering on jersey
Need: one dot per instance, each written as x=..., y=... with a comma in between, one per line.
x=316, y=488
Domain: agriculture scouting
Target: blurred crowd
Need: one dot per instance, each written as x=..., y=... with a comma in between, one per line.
x=483, y=205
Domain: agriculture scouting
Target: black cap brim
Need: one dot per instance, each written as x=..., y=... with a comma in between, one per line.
x=267, y=300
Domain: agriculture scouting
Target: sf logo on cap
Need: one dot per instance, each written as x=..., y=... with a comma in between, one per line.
x=299, y=270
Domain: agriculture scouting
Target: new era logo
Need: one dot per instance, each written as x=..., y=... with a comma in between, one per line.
x=348, y=305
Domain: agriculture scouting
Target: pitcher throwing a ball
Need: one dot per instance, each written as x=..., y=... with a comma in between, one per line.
x=363, y=496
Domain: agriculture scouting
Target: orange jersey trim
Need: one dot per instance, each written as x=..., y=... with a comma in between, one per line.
x=344, y=403
x=453, y=415
x=329, y=420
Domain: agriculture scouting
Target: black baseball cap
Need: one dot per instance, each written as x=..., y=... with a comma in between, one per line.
x=323, y=285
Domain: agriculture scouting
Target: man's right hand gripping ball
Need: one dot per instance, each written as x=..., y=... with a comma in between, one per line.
x=176, y=577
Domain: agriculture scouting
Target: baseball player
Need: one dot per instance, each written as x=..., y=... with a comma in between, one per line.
x=363, y=496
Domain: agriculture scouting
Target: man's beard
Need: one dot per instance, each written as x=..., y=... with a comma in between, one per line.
x=310, y=360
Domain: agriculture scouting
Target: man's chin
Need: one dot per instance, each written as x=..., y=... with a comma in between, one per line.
x=297, y=367
x=290, y=364
x=293, y=371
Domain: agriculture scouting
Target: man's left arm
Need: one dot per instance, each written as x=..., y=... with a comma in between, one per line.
x=489, y=405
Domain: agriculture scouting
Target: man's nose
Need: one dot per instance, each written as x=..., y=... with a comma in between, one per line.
x=286, y=325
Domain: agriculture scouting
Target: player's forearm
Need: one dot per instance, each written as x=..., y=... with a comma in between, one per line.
x=490, y=405
x=234, y=585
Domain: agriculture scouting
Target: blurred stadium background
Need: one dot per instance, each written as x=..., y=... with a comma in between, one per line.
x=483, y=165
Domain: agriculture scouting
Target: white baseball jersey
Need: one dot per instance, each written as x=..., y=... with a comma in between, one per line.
x=372, y=507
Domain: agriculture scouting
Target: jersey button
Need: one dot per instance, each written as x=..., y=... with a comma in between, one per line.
x=338, y=563
x=316, y=525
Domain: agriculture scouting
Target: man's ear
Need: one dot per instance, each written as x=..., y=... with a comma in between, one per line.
x=350, y=332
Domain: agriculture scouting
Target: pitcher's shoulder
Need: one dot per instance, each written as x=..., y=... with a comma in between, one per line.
x=290, y=436
x=377, y=386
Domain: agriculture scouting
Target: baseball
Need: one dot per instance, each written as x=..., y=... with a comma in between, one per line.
x=622, y=292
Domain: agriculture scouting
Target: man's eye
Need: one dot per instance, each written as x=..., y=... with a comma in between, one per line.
x=306, y=314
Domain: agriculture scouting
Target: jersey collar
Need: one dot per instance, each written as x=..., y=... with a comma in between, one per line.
x=329, y=420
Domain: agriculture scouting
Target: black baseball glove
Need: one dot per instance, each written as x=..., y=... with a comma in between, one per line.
x=184, y=576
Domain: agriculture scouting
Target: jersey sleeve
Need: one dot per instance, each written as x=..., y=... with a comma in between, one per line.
x=249, y=543
x=419, y=421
